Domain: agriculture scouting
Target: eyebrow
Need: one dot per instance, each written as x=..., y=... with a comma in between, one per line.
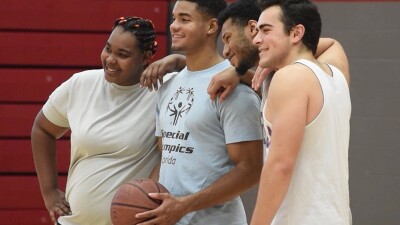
x=261, y=26
x=183, y=14
x=120, y=49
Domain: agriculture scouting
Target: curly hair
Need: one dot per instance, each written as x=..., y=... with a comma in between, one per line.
x=143, y=29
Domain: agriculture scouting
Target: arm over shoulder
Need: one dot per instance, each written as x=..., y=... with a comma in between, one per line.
x=331, y=52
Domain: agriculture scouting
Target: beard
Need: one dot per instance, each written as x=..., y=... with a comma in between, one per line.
x=248, y=61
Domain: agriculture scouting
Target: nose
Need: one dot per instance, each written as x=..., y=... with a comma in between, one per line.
x=110, y=59
x=226, y=52
x=257, y=39
x=173, y=26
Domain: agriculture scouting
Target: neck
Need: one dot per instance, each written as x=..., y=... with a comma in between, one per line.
x=197, y=62
x=300, y=53
x=203, y=58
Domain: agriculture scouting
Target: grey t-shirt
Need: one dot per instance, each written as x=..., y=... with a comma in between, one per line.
x=195, y=131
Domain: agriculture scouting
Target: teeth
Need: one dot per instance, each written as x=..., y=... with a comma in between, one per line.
x=111, y=70
x=177, y=36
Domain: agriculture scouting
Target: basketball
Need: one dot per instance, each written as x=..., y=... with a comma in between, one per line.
x=132, y=198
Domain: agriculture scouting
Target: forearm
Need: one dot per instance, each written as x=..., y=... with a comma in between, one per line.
x=180, y=61
x=229, y=186
x=247, y=78
x=323, y=45
x=274, y=184
x=44, y=156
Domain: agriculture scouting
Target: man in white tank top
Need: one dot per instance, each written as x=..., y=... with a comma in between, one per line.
x=305, y=176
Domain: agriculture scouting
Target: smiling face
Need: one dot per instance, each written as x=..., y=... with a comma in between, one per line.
x=238, y=46
x=189, y=27
x=272, y=41
x=122, y=59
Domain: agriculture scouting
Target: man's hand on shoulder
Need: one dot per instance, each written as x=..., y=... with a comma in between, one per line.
x=223, y=83
x=153, y=75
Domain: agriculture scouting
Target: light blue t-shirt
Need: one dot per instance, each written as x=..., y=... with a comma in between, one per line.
x=195, y=131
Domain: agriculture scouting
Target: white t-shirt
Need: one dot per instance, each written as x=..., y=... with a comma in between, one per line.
x=319, y=190
x=195, y=132
x=112, y=141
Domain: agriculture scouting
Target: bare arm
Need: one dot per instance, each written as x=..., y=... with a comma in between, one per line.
x=223, y=83
x=331, y=52
x=247, y=157
x=43, y=140
x=286, y=109
x=155, y=72
x=328, y=51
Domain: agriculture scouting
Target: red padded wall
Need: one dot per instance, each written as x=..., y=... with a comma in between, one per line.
x=42, y=44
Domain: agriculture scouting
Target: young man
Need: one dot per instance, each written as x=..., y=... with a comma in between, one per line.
x=211, y=151
x=238, y=22
x=305, y=177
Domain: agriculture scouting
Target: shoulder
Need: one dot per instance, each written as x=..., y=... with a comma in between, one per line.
x=242, y=96
x=244, y=89
x=85, y=77
x=169, y=77
x=88, y=75
x=292, y=81
x=168, y=80
x=292, y=75
x=83, y=80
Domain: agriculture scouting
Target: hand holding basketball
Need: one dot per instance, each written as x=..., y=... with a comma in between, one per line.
x=132, y=198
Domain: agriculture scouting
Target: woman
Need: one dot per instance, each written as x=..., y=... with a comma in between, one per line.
x=109, y=116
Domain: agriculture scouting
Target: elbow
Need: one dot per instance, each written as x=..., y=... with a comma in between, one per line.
x=283, y=168
x=255, y=173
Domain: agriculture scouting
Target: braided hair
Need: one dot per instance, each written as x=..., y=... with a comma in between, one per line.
x=143, y=29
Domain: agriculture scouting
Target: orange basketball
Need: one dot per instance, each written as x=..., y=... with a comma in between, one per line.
x=132, y=198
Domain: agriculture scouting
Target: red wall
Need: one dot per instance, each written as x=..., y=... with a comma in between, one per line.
x=42, y=44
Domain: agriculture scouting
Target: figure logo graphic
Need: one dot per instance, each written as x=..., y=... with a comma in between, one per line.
x=180, y=104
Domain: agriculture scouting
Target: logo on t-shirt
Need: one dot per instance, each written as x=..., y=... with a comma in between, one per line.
x=180, y=104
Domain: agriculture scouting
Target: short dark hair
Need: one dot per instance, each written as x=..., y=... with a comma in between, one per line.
x=143, y=29
x=241, y=12
x=211, y=8
x=296, y=12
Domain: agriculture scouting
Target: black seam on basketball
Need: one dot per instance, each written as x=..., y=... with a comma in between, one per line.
x=158, y=188
x=130, y=205
x=159, y=191
x=146, y=194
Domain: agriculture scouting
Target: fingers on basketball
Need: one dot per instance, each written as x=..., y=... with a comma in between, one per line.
x=132, y=198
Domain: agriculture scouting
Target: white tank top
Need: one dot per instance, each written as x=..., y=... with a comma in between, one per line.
x=319, y=191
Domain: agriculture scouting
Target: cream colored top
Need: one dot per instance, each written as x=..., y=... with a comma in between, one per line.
x=319, y=190
x=112, y=140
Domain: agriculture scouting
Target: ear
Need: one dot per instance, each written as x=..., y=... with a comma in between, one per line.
x=297, y=33
x=212, y=26
x=147, y=55
x=252, y=24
